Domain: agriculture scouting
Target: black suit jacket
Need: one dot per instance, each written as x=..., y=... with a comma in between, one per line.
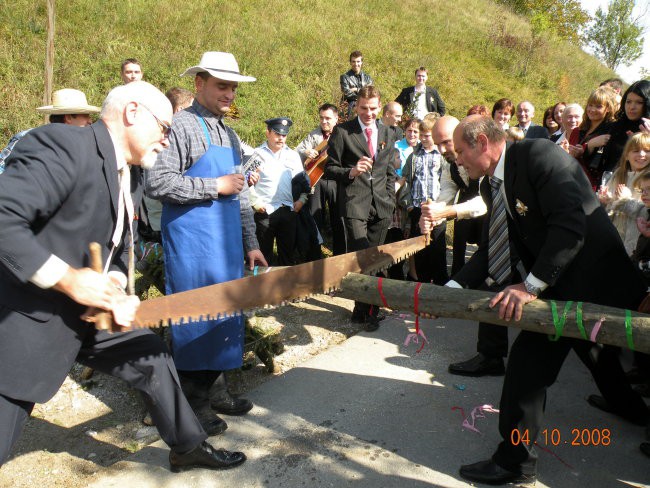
x=559, y=230
x=58, y=194
x=434, y=102
x=346, y=146
x=536, y=132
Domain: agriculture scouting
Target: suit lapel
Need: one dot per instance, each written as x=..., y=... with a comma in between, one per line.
x=359, y=138
x=509, y=176
x=106, y=151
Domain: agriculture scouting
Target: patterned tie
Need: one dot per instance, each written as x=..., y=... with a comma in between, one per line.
x=499, y=266
x=371, y=148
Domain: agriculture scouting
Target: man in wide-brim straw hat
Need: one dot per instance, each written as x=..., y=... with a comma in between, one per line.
x=206, y=215
x=69, y=106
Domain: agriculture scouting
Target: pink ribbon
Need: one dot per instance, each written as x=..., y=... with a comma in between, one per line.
x=477, y=412
x=416, y=339
x=596, y=329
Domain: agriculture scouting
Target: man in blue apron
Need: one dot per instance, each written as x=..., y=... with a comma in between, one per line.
x=206, y=215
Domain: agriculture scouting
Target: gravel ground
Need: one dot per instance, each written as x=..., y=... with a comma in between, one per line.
x=90, y=424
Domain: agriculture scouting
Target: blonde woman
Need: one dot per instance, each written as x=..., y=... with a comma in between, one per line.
x=621, y=196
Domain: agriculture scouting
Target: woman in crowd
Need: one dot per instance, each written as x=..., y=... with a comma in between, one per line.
x=621, y=196
x=632, y=117
x=558, y=110
x=587, y=141
x=502, y=111
x=550, y=124
x=478, y=110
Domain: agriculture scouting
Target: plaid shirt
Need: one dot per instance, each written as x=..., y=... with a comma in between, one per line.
x=187, y=143
x=6, y=152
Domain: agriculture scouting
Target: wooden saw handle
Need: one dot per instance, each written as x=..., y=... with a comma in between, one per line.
x=427, y=236
x=103, y=320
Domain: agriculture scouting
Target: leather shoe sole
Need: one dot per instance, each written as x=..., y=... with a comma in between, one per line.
x=478, y=366
x=490, y=473
x=232, y=406
x=205, y=456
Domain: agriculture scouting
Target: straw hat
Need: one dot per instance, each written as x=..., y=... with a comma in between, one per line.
x=68, y=101
x=220, y=65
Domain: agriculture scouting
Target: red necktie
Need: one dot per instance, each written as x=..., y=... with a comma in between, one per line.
x=371, y=148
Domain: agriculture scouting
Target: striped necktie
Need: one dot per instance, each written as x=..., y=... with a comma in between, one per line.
x=499, y=266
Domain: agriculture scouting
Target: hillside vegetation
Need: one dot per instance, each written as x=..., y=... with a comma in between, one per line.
x=476, y=52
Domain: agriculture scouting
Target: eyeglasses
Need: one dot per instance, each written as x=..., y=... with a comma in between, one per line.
x=166, y=128
x=644, y=191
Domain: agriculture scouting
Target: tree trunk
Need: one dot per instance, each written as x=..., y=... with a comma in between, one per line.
x=606, y=324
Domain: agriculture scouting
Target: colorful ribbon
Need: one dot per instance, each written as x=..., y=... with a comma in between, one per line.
x=628, y=329
x=380, y=288
x=581, y=326
x=477, y=412
x=557, y=321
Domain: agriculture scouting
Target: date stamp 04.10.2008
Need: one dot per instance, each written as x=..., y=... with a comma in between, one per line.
x=555, y=437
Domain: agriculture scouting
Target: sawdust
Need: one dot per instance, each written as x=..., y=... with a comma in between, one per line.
x=92, y=424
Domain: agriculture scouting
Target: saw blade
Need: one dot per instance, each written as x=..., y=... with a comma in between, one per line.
x=272, y=288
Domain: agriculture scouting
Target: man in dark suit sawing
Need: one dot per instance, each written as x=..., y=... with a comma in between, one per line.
x=361, y=158
x=562, y=237
x=65, y=187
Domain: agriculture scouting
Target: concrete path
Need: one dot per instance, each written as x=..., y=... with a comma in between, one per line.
x=373, y=413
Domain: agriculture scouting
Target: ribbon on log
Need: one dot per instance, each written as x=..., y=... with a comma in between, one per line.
x=616, y=326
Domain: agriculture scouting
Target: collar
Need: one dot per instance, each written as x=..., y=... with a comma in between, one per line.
x=364, y=127
x=276, y=155
x=525, y=127
x=499, y=171
x=209, y=117
x=119, y=152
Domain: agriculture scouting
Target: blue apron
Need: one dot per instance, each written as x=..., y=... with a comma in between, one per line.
x=203, y=246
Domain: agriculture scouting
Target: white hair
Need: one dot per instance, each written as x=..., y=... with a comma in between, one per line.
x=576, y=107
x=137, y=91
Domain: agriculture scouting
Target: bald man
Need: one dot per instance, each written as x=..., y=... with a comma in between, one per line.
x=391, y=116
x=46, y=285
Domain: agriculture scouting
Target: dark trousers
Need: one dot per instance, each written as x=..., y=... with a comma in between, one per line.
x=534, y=364
x=430, y=262
x=142, y=360
x=396, y=271
x=325, y=197
x=362, y=234
x=280, y=227
x=465, y=230
x=493, y=339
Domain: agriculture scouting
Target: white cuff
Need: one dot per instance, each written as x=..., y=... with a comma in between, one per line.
x=536, y=282
x=453, y=284
x=50, y=273
x=119, y=276
x=471, y=208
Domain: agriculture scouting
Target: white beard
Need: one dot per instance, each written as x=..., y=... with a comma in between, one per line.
x=149, y=160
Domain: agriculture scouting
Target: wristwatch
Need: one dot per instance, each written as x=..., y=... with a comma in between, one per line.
x=532, y=289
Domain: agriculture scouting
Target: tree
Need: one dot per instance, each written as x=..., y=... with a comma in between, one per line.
x=565, y=18
x=615, y=35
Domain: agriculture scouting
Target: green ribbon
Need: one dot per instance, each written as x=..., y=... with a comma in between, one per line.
x=557, y=321
x=581, y=326
x=628, y=329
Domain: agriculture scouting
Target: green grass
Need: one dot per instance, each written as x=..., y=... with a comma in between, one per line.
x=476, y=52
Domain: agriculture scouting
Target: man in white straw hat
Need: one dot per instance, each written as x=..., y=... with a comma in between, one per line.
x=69, y=106
x=64, y=188
x=206, y=214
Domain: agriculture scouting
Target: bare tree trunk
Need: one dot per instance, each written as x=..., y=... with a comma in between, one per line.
x=607, y=325
x=49, y=56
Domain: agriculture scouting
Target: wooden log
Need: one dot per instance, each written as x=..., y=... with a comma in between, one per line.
x=607, y=324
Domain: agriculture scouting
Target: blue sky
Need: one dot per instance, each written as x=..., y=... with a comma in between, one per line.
x=628, y=73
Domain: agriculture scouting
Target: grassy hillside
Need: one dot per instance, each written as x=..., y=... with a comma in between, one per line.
x=475, y=50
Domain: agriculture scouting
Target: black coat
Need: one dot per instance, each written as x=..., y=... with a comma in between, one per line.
x=434, y=102
x=346, y=146
x=563, y=235
x=58, y=194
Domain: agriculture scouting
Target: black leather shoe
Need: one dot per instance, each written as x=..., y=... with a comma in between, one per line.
x=229, y=405
x=479, y=365
x=601, y=404
x=213, y=425
x=491, y=473
x=205, y=456
x=372, y=322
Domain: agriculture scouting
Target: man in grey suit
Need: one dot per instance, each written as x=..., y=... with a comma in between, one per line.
x=361, y=159
x=65, y=187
